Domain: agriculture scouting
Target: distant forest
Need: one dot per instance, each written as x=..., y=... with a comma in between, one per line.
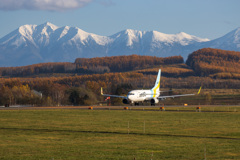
x=215, y=63
x=91, y=65
x=79, y=83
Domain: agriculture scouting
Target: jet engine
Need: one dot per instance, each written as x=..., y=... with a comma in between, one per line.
x=154, y=101
x=125, y=101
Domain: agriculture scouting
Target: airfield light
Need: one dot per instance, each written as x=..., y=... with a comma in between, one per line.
x=162, y=108
x=198, y=109
x=91, y=108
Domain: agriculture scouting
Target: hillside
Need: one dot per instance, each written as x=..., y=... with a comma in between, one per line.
x=91, y=66
x=125, y=63
x=215, y=63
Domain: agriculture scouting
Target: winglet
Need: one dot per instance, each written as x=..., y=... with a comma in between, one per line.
x=101, y=91
x=199, y=90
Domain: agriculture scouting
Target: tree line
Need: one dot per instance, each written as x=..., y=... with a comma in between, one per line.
x=91, y=65
x=124, y=63
x=85, y=89
x=215, y=62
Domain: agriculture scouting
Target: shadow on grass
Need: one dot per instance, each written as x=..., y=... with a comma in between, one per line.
x=120, y=133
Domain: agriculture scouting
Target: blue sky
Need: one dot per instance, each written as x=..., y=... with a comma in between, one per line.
x=203, y=18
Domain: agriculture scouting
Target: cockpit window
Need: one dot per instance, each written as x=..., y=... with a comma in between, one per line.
x=131, y=94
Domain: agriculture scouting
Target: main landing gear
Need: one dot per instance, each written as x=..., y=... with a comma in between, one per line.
x=137, y=103
x=152, y=104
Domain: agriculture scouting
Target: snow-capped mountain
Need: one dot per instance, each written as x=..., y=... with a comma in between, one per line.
x=152, y=43
x=31, y=44
x=230, y=41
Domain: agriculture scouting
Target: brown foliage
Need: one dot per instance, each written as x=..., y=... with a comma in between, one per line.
x=91, y=65
x=125, y=63
x=209, y=61
x=41, y=68
x=179, y=70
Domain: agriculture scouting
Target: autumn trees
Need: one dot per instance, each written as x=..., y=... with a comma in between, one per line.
x=215, y=62
x=44, y=92
x=124, y=63
x=90, y=66
x=18, y=94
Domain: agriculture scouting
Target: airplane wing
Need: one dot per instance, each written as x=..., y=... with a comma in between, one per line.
x=181, y=95
x=109, y=95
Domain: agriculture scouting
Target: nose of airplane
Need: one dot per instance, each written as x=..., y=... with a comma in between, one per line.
x=130, y=97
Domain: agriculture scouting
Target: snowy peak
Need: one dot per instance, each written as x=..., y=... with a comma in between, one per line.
x=237, y=36
x=230, y=41
x=76, y=35
x=50, y=25
x=19, y=37
x=180, y=38
x=30, y=34
x=82, y=35
x=233, y=36
x=43, y=32
x=186, y=39
x=134, y=36
x=126, y=37
x=45, y=29
x=27, y=30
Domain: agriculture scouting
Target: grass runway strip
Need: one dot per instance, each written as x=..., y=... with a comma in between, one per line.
x=118, y=134
x=104, y=132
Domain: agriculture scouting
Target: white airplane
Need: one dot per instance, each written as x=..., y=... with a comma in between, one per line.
x=152, y=95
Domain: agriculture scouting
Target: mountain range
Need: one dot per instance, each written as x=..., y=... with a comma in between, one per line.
x=30, y=44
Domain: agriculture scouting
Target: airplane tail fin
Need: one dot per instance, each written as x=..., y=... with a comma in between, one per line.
x=199, y=90
x=156, y=88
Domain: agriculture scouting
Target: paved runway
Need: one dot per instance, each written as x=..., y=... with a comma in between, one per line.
x=175, y=108
x=77, y=107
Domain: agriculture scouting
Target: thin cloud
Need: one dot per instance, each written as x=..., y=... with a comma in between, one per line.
x=49, y=5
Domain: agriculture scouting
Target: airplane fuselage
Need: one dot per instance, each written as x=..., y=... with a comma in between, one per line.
x=141, y=95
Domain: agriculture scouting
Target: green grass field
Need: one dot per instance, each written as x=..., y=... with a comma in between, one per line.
x=118, y=134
